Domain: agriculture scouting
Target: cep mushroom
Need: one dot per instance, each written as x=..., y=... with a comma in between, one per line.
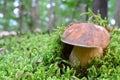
x=89, y=41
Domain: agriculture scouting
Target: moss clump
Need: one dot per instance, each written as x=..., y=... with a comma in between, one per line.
x=34, y=57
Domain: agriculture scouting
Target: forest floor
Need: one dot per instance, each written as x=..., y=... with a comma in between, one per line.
x=38, y=57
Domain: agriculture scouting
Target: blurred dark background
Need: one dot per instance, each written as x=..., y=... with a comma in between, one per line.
x=45, y=15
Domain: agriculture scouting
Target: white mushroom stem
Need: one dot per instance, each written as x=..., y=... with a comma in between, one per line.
x=83, y=54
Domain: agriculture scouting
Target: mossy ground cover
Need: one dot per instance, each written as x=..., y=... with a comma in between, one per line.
x=32, y=57
x=39, y=57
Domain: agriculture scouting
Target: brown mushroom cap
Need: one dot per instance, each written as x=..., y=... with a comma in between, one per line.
x=86, y=35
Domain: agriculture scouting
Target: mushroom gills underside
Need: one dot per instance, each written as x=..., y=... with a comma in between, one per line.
x=81, y=55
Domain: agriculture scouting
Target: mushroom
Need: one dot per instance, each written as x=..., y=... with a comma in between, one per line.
x=89, y=41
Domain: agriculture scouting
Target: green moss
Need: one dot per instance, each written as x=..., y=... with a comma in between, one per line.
x=33, y=57
x=39, y=57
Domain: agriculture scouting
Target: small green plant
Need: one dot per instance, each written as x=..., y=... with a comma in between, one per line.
x=96, y=19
